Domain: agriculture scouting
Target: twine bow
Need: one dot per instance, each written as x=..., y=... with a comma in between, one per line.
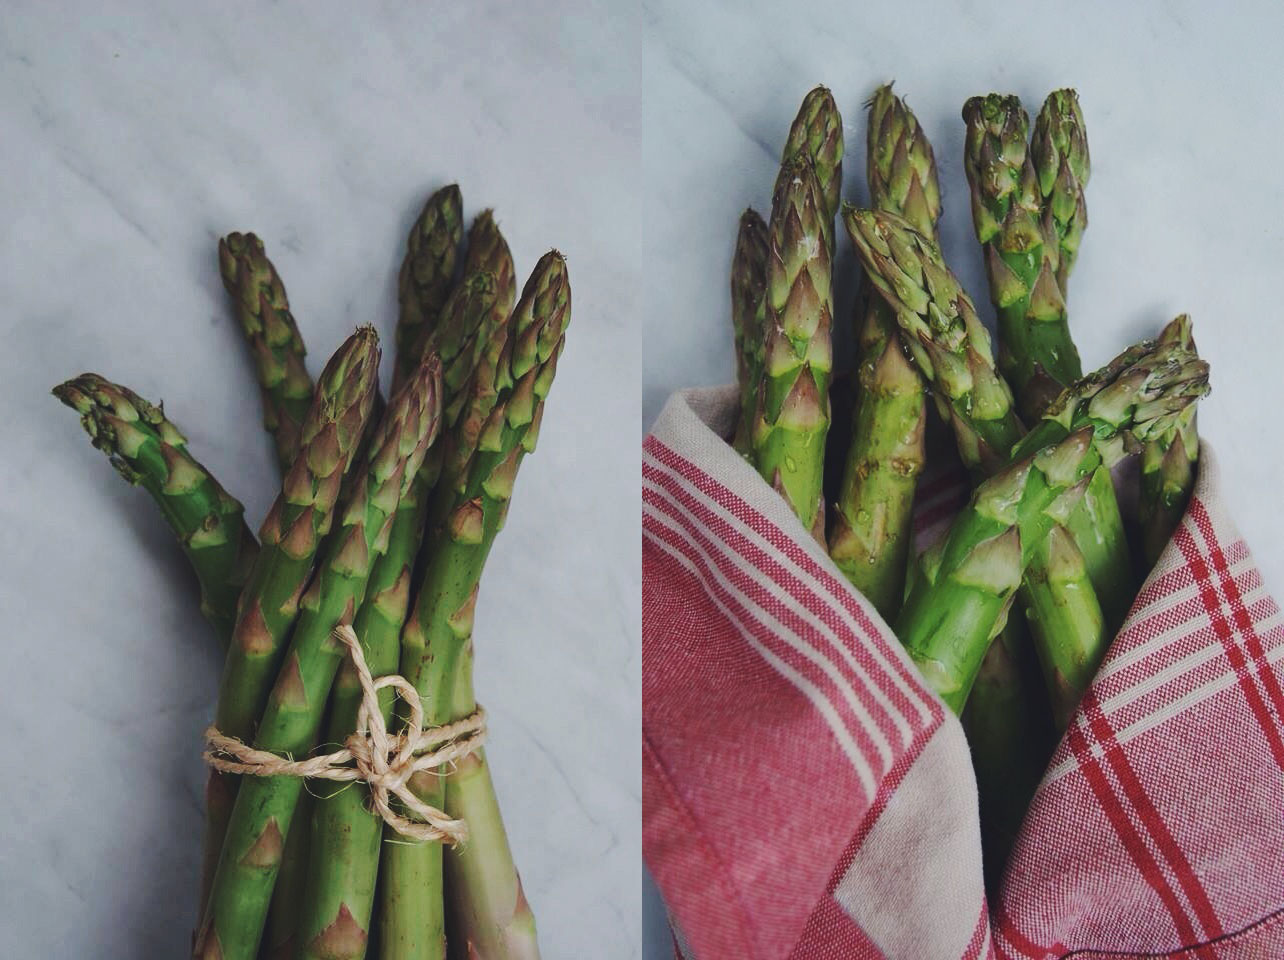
x=371, y=755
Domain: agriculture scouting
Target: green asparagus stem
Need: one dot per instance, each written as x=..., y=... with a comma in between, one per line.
x=148, y=450
x=951, y=347
x=954, y=354
x=345, y=839
x=1168, y=468
x=947, y=623
x=1059, y=154
x=482, y=298
x=1036, y=354
x=457, y=340
x=261, y=818
x=870, y=533
x=281, y=932
x=940, y=328
x=264, y=314
x=900, y=165
x=346, y=835
x=290, y=535
x=817, y=133
x=489, y=913
x=748, y=318
x=1059, y=150
x=1153, y=380
x=499, y=426
x=427, y=273
x=1009, y=730
x=792, y=415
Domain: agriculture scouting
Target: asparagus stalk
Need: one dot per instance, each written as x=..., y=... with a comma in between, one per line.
x=261, y=818
x=263, y=311
x=1059, y=151
x=497, y=428
x=792, y=415
x=427, y=273
x=817, y=134
x=748, y=318
x=484, y=302
x=1036, y=354
x=490, y=915
x=870, y=534
x=940, y=328
x=938, y=320
x=947, y=622
x=1059, y=154
x=345, y=834
x=1168, y=468
x=280, y=932
x=1010, y=734
x=148, y=450
x=290, y=535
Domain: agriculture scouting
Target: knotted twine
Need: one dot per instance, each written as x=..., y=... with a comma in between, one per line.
x=371, y=755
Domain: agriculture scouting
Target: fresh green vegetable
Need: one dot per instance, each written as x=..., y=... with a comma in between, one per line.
x=870, y=530
x=817, y=133
x=1059, y=151
x=290, y=536
x=427, y=273
x=1036, y=354
x=148, y=450
x=263, y=312
x=748, y=318
x=792, y=415
x=949, y=618
x=497, y=428
x=1168, y=468
x=264, y=808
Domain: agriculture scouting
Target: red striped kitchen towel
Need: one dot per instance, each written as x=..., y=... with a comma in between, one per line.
x=806, y=797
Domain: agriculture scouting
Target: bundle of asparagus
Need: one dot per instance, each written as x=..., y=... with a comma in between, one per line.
x=1011, y=612
x=383, y=523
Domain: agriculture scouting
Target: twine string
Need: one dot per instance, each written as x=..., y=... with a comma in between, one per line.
x=371, y=755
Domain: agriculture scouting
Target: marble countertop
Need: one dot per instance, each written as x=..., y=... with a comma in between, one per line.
x=1185, y=199
x=132, y=139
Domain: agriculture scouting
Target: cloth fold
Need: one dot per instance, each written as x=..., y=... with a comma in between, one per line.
x=806, y=797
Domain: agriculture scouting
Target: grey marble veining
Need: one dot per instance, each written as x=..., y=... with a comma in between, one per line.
x=131, y=137
x=1185, y=201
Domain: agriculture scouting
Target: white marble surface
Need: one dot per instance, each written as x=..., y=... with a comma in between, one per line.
x=1185, y=202
x=130, y=139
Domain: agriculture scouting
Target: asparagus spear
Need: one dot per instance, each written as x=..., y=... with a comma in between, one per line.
x=264, y=314
x=489, y=914
x=870, y=533
x=1168, y=468
x=792, y=415
x=290, y=535
x=1059, y=151
x=147, y=449
x=1010, y=734
x=1059, y=597
x=1059, y=154
x=484, y=295
x=261, y=818
x=947, y=622
x=427, y=273
x=345, y=833
x=1036, y=354
x=748, y=317
x=939, y=326
x=817, y=133
x=938, y=320
x=498, y=427
x=281, y=929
